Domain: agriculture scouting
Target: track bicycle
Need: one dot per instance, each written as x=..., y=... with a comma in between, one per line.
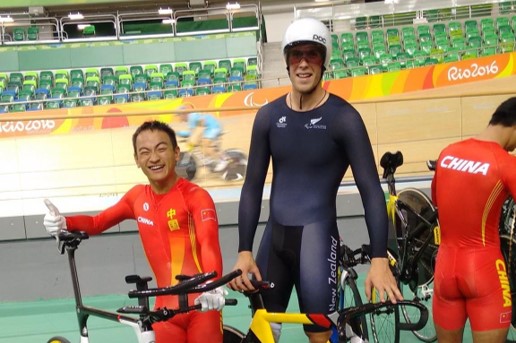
x=231, y=166
x=414, y=222
x=260, y=330
x=139, y=317
x=508, y=246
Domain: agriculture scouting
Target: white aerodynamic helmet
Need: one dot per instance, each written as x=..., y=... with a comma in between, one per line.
x=307, y=30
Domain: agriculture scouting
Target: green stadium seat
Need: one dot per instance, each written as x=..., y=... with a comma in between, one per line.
x=91, y=72
x=352, y=62
x=490, y=40
x=439, y=28
x=360, y=23
x=106, y=71
x=135, y=70
x=195, y=66
x=125, y=80
x=471, y=24
x=252, y=61
x=89, y=31
x=76, y=74
x=486, y=23
x=61, y=74
x=170, y=94
x=419, y=58
x=348, y=54
x=121, y=70
x=375, y=69
x=234, y=87
x=422, y=29
x=149, y=69
x=165, y=68
x=407, y=32
x=239, y=63
x=225, y=63
x=375, y=21
x=336, y=63
x=33, y=33
x=368, y=61
x=347, y=37
x=202, y=90
x=189, y=76
x=252, y=73
x=488, y=51
x=358, y=71
x=18, y=34
x=506, y=7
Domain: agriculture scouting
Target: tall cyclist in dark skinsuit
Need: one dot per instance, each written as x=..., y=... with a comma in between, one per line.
x=312, y=137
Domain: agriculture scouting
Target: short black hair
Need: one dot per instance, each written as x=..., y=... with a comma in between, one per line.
x=155, y=125
x=505, y=113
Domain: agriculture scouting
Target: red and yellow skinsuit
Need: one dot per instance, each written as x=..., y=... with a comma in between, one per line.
x=473, y=178
x=179, y=233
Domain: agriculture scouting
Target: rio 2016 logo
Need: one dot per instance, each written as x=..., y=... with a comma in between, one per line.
x=473, y=71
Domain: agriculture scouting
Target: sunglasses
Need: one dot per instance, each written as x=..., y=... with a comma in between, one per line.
x=313, y=56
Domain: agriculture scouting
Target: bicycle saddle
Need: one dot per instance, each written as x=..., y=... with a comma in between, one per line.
x=390, y=161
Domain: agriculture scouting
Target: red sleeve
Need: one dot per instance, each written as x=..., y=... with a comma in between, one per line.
x=206, y=229
x=106, y=219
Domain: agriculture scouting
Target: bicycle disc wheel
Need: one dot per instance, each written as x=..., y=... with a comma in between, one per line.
x=508, y=248
x=58, y=339
x=384, y=323
x=232, y=335
x=349, y=296
x=424, y=295
x=420, y=203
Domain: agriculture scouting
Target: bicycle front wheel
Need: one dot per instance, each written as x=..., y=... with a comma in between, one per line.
x=384, y=323
x=423, y=294
x=349, y=296
x=232, y=335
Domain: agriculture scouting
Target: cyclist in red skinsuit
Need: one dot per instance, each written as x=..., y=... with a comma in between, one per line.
x=472, y=180
x=178, y=227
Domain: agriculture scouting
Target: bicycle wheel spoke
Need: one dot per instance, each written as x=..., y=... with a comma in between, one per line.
x=384, y=324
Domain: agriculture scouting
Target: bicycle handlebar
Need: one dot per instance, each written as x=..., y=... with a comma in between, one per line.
x=190, y=285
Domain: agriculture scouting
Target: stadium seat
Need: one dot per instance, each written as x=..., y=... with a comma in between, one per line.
x=106, y=71
x=91, y=72
x=18, y=34
x=240, y=63
x=170, y=93
x=135, y=70
x=121, y=70
x=165, y=68
x=220, y=88
x=195, y=66
x=210, y=65
x=33, y=33
x=358, y=71
x=185, y=92
x=202, y=90
x=149, y=69
x=62, y=74
x=180, y=67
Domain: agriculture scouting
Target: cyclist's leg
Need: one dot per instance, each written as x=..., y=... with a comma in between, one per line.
x=317, y=280
x=204, y=324
x=172, y=330
x=277, y=264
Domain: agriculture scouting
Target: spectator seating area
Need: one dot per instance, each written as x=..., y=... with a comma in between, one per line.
x=37, y=90
x=378, y=50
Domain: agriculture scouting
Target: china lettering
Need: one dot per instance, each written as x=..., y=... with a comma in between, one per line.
x=473, y=71
x=31, y=125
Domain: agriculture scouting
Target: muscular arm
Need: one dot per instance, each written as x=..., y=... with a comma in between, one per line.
x=106, y=219
x=206, y=231
x=355, y=140
x=252, y=190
